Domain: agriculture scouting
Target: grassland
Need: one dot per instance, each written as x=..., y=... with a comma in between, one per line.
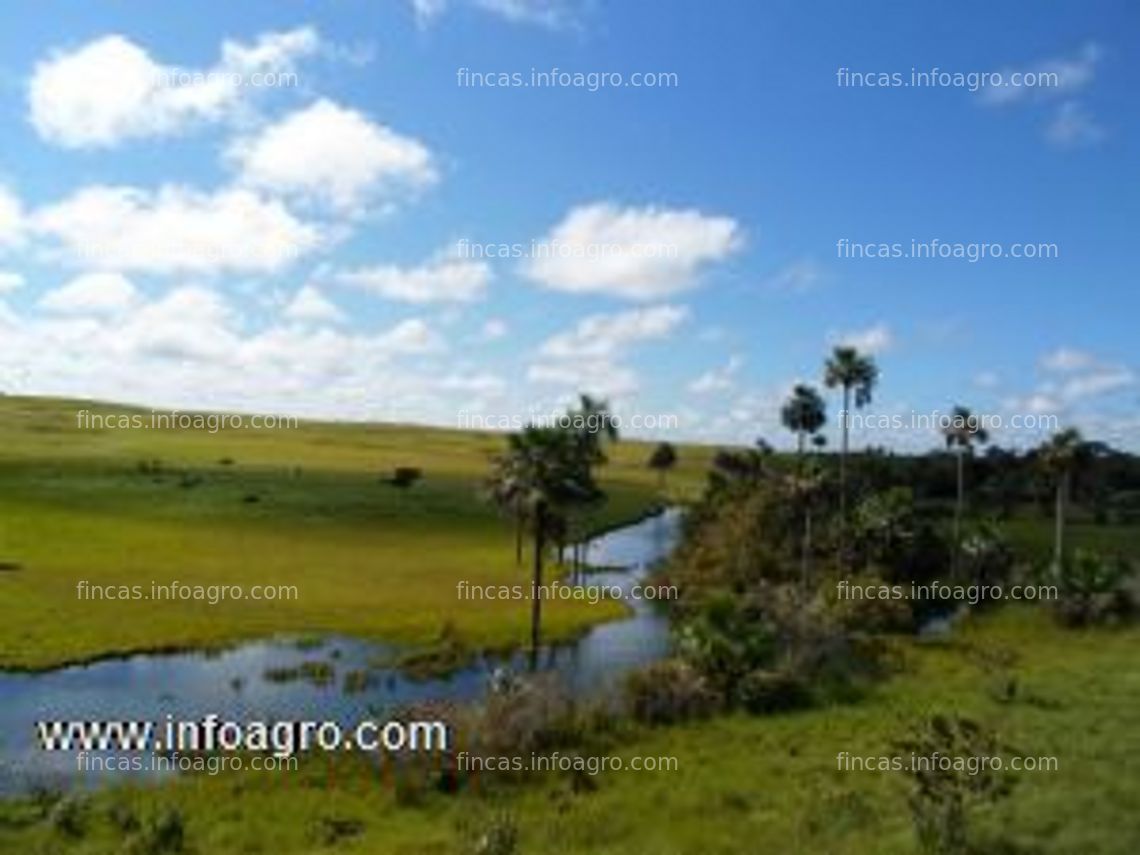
x=743, y=785
x=305, y=507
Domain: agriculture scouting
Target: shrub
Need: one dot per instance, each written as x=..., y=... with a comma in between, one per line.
x=405, y=476
x=497, y=835
x=763, y=691
x=669, y=691
x=68, y=816
x=945, y=790
x=1095, y=589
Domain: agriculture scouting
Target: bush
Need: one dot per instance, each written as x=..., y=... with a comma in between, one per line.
x=1095, y=589
x=498, y=835
x=68, y=816
x=163, y=834
x=405, y=476
x=669, y=691
x=943, y=793
x=762, y=691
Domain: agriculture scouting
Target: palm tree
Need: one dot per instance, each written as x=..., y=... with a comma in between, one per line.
x=1059, y=456
x=806, y=487
x=804, y=413
x=593, y=425
x=962, y=431
x=504, y=491
x=852, y=372
x=542, y=470
x=663, y=458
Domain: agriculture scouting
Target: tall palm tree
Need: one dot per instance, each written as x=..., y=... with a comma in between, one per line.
x=504, y=491
x=1059, y=456
x=806, y=487
x=851, y=371
x=804, y=413
x=593, y=426
x=543, y=468
x=962, y=431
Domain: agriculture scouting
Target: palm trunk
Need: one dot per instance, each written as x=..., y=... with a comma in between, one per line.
x=518, y=539
x=1059, y=524
x=846, y=417
x=536, y=599
x=958, y=517
x=804, y=559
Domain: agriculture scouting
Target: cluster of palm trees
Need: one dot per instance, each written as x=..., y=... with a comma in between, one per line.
x=545, y=480
x=804, y=413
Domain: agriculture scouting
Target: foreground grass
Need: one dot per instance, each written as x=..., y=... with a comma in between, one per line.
x=305, y=507
x=743, y=785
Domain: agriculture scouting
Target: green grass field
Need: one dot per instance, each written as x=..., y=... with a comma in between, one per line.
x=366, y=558
x=743, y=785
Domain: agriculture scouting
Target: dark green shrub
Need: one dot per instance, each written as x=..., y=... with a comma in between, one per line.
x=669, y=691
x=762, y=691
x=405, y=476
x=942, y=759
x=1095, y=589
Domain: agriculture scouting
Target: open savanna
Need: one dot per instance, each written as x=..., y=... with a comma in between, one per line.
x=306, y=506
x=742, y=785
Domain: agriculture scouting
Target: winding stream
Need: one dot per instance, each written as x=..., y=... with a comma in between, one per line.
x=234, y=685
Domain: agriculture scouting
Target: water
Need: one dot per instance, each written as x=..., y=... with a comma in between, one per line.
x=232, y=684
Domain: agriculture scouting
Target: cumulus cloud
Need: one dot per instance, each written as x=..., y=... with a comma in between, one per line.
x=441, y=281
x=332, y=154
x=493, y=328
x=551, y=14
x=92, y=294
x=585, y=358
x=719, y=379
x=11, y=218
x=309, y=305
x=174, y=230
x=1057, y=77
x=636, y=253
x=111, y=90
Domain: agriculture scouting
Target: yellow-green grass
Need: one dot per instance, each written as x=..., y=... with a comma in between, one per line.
x=367, y=558
x=743, y=784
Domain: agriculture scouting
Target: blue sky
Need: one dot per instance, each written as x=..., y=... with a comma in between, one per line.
x=170, y=237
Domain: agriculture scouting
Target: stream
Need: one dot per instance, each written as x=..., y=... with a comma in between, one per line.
x=235, y=683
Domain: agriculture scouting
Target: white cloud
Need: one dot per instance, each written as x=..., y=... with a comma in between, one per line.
x=987, y=380
x=1099, y=381
x=11, y=218
x=175, y=230
x=440, y=281
x=110, y=89
x=333, y=154
x=717, y=379
x=551, y=14
x=1067, y=359
x=309, y=305
x=797, y=277
x=604, y=336
x=410, y=336
x=493, y=328
x=585, y=357
x=11, y=281
x=874, y=339
x=636, y=253
x=1058, y=77
x=92, y=294
x=1072, y=126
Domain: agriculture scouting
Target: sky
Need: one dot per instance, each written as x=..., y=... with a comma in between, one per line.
x=361, y=210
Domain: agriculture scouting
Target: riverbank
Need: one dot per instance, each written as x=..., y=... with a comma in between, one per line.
x=309, y=509
x=773, y=781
